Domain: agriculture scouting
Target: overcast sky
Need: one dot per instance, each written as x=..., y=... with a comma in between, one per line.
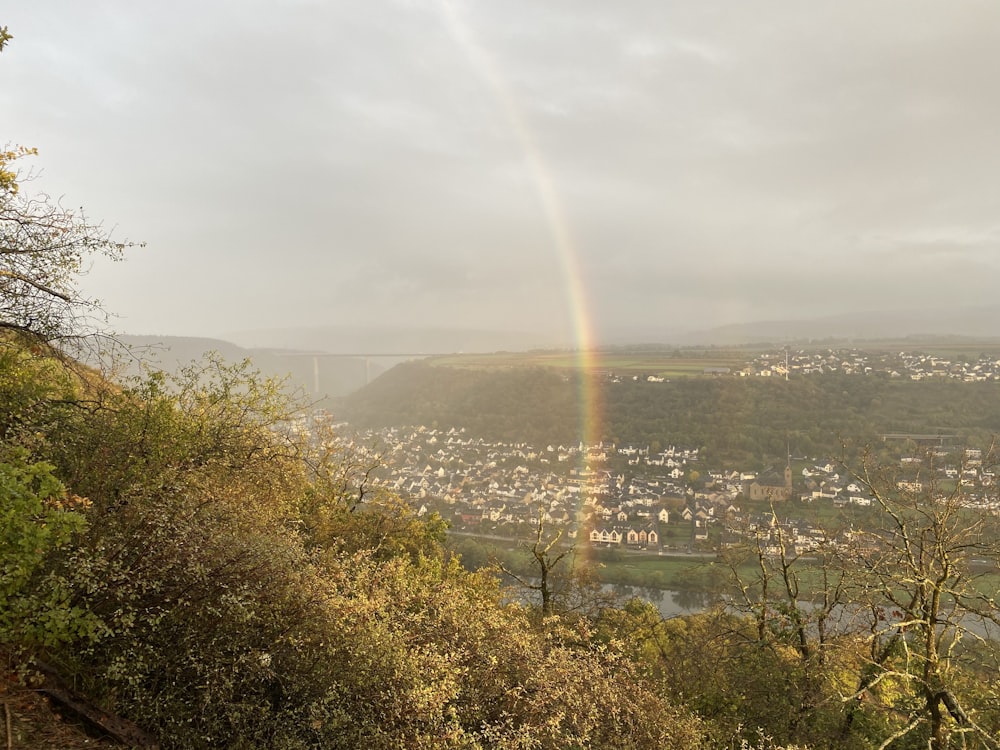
x=415, y=162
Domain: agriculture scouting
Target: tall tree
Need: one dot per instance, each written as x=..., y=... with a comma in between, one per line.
x=555, y=572
x=922, y=576
x=44, y=249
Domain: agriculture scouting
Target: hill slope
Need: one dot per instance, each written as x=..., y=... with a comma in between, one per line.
x=733, y=419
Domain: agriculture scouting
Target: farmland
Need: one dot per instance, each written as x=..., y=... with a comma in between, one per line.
x=660, y=363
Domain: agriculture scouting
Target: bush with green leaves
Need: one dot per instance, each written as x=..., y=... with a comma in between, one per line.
x=38, y=519
x=243, y=594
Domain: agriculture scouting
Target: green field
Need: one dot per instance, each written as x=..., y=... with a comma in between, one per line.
x=949, y=347
x=679, y=362
x=680, y=573
x=667, y=364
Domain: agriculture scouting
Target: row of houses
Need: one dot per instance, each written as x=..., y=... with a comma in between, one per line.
x=507, y=488
x=849, y=361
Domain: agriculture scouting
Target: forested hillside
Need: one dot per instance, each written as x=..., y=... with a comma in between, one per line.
x=738, y=421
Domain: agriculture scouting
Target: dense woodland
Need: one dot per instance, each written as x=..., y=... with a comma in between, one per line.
x=177, y=555
x=748, y=422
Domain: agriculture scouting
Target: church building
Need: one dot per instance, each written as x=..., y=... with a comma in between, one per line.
x=772, y=486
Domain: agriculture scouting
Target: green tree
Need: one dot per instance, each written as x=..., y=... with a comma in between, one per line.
x=43, y=251
x=931, y=607
x=554, y=570
x=714, y=665
x=793, y=604
x=232, y=619
x=209, y=421
x=37, y=519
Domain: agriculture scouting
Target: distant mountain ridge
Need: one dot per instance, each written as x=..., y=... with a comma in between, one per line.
x=382, y=340
x=170, y=351
x=977, y=322
x=309, y=372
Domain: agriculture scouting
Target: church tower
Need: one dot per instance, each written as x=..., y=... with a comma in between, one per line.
x=788, y=474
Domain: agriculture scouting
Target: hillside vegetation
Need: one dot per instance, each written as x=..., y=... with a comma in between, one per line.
x=180, y=555
x=737, y=421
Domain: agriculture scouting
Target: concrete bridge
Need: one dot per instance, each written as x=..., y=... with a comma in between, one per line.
x=367, y=357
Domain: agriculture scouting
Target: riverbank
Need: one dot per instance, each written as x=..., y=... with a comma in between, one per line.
x=674, y=570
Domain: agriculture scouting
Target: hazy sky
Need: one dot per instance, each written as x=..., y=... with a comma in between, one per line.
x=415, y=162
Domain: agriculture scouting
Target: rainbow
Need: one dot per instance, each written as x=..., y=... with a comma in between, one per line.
x=590, y=405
